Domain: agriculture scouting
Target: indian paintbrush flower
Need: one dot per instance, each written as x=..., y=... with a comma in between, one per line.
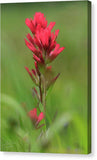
x=44, y=49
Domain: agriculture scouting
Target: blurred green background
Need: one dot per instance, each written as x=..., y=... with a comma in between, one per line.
x=69, y=94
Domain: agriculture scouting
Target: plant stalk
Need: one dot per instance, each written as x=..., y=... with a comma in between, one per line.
x=40, y=88
x=44, y=97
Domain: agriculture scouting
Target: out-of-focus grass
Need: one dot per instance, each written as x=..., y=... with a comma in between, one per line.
x=69, y=93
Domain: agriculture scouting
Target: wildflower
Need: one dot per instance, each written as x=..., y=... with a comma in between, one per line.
x=44, y=49
x=36, y=119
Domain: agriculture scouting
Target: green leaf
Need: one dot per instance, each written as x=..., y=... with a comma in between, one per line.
x=41, y=107
x=49, y=90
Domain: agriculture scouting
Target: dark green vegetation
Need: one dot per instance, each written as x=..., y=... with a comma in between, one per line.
x=68, y=98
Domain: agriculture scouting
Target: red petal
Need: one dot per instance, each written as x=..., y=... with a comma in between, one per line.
x=36, y=58
x=56, y=34
x=56, y=47
x=53, y=53
x=40, y=117
x=30, y=38
x=33, y=114
x=56, y=52
x=45, y=24
x=32, y=48
x=60, y=50
x=27, y=69
x=30, y=25
x=40, y=19
x=37, y=41
x=51, y=25
x=30, y=45
x=38, y=28
x=34, y=72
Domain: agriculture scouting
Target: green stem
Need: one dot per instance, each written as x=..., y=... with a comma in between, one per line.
x=44, y=97
x=40, y=88
x=38, y=106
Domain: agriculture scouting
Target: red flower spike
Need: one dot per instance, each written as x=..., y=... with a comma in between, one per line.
x=35, y=119
x=43, y=43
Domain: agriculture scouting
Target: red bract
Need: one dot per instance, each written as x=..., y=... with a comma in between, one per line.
x=49, y=68
x=35, y=119
x=39, y=22
x=57, y=50
x=43, y=43
x=44, y=46
x=34, y=73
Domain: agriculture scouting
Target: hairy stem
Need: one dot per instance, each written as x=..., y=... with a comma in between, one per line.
x=40, y=88
x=44, y=97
